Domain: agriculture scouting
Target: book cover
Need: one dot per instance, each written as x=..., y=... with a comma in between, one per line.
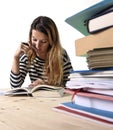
x=101, y=21
x=91, y=72
x=92, y=114
x=102, y=39
x=79, y=20
x=91, y=75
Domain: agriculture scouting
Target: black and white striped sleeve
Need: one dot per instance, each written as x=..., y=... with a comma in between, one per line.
x=67, y=67
x=16, y=80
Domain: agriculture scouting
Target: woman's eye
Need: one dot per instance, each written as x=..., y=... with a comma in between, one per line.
x=34, y=40
x=43, y=41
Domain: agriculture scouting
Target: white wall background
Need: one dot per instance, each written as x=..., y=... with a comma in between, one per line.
x=16, y=17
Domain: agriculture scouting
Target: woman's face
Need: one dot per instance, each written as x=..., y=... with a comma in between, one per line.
x=40, y=43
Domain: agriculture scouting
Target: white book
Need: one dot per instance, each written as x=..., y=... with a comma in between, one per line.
x=101, y=21
x=95, y=84
x=100, y=91
x=92, y=100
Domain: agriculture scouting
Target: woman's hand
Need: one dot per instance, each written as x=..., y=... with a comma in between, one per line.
x=37, y=82
x=23, y=48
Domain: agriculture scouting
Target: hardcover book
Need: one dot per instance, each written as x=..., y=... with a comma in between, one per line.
x=79, y=20
x=92, y=114
x=101, y=21
x=102, y=39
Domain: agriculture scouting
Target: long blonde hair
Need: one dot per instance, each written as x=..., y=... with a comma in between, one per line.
x=54, y=62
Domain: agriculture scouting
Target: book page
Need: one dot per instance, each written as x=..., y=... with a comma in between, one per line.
x=48, y=94
x=44, y=87
x=18, y=91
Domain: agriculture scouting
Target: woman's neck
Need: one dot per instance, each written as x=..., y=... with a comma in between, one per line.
x=42, y=56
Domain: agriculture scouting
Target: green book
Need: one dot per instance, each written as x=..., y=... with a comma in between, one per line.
x=79, y=20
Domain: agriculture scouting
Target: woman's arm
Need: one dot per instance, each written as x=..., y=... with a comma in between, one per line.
x=19, y=70
x=67, y=67
x=23, y=48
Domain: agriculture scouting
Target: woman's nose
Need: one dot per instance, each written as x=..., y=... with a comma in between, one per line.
x=37, y=44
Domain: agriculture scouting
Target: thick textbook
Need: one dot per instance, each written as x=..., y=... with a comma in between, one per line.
x=94, y=100
x=101, y=21
x=97, y=40
x=53, y=91
x=79, y=20
x=100, y=58
x=93, y=114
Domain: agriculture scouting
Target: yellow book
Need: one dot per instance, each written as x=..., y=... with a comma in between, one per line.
x=98, y=40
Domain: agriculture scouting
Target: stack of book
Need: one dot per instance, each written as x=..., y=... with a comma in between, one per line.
x=100, y=79
x=96, y=24
x=100, y=58
x=92, y=90
x=92, y=96
x=81, y=20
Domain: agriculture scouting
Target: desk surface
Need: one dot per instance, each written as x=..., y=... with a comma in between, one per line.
x=34, y=113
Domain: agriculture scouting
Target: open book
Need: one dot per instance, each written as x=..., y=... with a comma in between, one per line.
x=45, y=91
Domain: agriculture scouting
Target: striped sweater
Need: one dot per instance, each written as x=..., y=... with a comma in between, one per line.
x=35, y=70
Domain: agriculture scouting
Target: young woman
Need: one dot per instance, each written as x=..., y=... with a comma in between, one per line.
x=43, y=57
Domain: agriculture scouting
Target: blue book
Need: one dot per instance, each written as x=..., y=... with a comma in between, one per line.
x=98, y=115
x=93, y=71
x=79, y=20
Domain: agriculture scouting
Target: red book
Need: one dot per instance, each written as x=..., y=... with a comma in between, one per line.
x=92, y=114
